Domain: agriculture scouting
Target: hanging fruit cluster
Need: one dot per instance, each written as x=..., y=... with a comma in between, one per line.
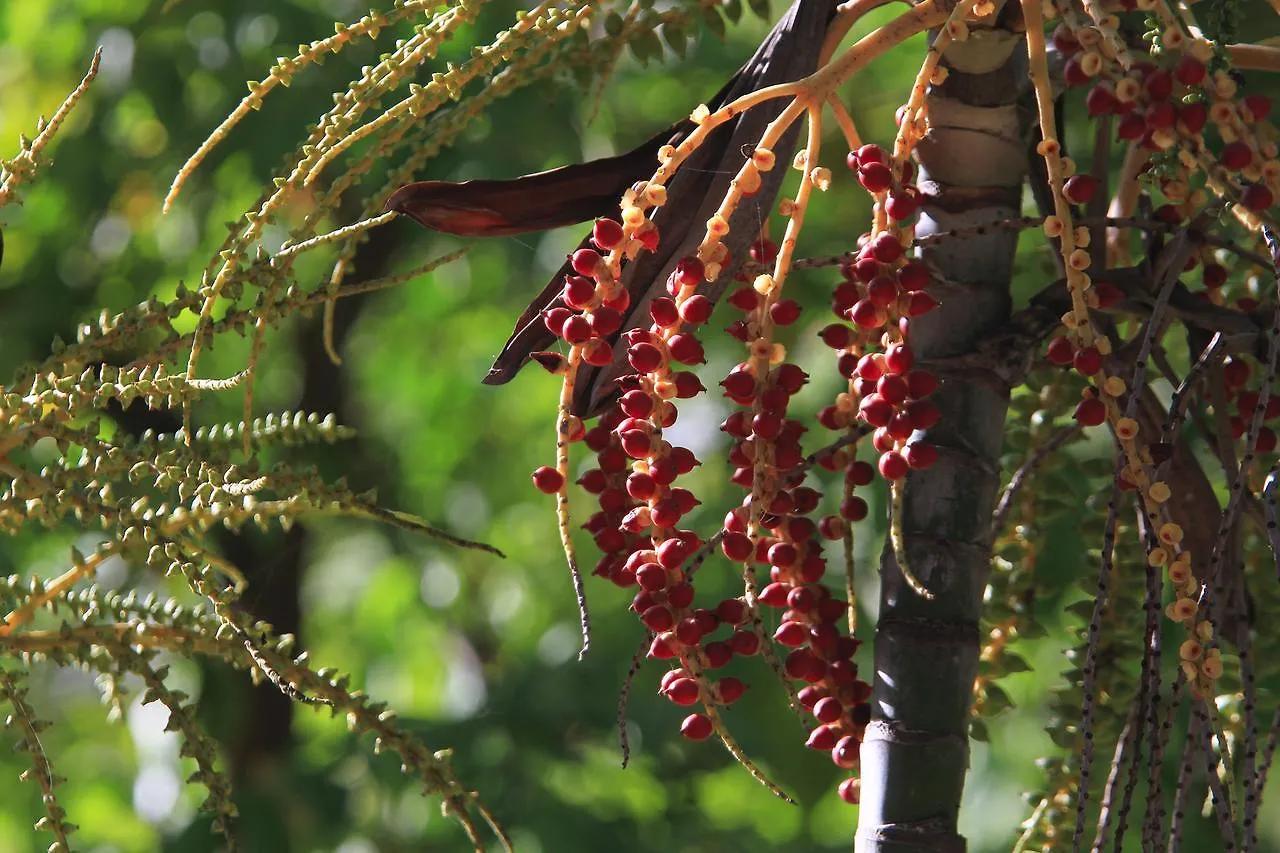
x=1162, y=108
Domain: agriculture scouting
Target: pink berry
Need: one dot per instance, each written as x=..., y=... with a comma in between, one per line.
x=548, y=479
x=585, y=261
x=846, y=752
x=606, y=234
x=696, y=727
x=901, y=206
x=892, y=465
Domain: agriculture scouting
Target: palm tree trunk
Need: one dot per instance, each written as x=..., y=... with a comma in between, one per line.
x=916, y=751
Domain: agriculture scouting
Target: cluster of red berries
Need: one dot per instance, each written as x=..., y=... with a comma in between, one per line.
x=1160, y=107
x=881, y=290
x=641, y=506
x=767, y=444
x=1236, y=374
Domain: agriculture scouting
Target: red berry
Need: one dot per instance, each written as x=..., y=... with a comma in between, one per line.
x=764, y=251
x=660, y=648
x=731, y=611
x=898, y=358
x=1101, y=100
x=871, y=153
x=874, y=177
x=682, y=691
x=1090, y=412
x=605, y=321
x=1193, y=117
x=597, y=352
x=744, y=643
x=658, y=618
x=1073, y=73
x=875, y=410
x=791, y=634
x=832, y=527
x=898, y=429
x=680, y=595
x=1235, y=156
x=696, y=727
x=1259, y=106
x=1189, y=70
x=922, y=414
x=1159, y=84
x=919, y=303
x=1088, y=361
x=892, y=465
x=548, y=479
x=784, y=312
x=1079, y=189
x=585, y=261
x=689, y=631
x=636, y=404
x=696, y=309
x=651, y=576
x=882, y=291
x=606, y=234
x=867, y=315
x=690, y=272
x=578, y=291
x=846, y=752
x=1108, y=294
x=576, y=329
x=828, y=710
x=645, y=357
x=920, y=455
x=718, y=654
x=1061, y=351
x=1065, y=40
x=664, y=312
x=870, y=366
x=686, y=349
x=860, y=473
x=822, y=738
x=901, y=206
x=805, y=665
x=886, y=247
x=921, y=383
x=555, y=317
x=913, y=276
x=837, y=336
x=687, y=384
x=892, y=388
x=1214, y=275
x=850, y=791
x=865, y=269
x=745, y=299
x=1257, y=197
x=731, y=690
x=1235, y=373
x=1131, y=127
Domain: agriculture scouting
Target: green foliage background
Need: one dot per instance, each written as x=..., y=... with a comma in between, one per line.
x=474, y=652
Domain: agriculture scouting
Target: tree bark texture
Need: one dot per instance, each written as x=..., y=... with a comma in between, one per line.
x=973, y=164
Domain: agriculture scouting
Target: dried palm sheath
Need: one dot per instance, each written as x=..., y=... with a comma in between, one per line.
x=584, y=191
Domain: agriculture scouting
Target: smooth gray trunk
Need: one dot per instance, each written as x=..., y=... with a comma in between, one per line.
x=916, y=751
